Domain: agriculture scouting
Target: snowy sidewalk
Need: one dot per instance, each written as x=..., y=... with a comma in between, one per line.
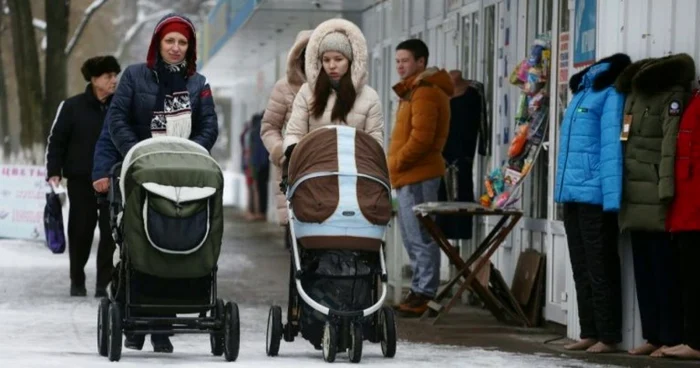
x=41, y=326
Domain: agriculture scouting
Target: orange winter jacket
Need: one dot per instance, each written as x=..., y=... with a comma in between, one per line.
x=421, y=128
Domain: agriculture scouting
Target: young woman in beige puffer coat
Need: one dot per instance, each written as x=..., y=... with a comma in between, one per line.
x=336, y=90
x=279, y=109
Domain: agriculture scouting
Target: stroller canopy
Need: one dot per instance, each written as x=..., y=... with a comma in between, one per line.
x=169, y=161
x=339, y=180
x=172, y=219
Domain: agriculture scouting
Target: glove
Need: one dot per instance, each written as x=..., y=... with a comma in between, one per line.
x=288, y=151
x=283, y=185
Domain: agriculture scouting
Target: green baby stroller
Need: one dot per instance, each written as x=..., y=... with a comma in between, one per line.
x=166, y=213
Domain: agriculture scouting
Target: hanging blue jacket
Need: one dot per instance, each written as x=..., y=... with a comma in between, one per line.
x=589, y=163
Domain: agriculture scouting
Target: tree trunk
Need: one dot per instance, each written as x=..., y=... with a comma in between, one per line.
x=5, y=138
x=28, y=79
x=55, y=76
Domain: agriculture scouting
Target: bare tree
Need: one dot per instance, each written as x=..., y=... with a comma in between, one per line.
x=28, y=78
x=4, y=114
x=37, y=106
x=55, y=76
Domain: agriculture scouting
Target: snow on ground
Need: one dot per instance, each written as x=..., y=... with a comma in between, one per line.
x=43, y=327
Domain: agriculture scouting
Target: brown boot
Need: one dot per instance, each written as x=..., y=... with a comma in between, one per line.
x=410, y=296
x=415, y=307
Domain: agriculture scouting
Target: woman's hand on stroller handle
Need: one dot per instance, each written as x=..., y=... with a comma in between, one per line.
x=101, y=185
x=288, y=151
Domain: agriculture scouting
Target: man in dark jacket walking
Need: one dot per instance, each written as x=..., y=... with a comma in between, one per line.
x=69, y=154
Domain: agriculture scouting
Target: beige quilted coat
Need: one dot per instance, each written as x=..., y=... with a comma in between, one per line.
x=365, y=115
x=278, y=111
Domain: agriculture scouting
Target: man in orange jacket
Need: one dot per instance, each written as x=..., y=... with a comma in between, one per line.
x=416, y=164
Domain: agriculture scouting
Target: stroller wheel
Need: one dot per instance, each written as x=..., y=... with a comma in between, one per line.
x=102, y=326
x=355, y=351
x=274, y=331
x=216, y=339
x=114, y=347
x=330, y=342
x=232, y=332
x=387, y=332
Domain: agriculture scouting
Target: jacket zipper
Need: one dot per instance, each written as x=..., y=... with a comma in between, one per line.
x=568, y=142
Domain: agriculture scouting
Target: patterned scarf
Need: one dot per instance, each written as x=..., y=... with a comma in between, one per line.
x=172, y=114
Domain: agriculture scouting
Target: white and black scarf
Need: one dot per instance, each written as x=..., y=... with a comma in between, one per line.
x=172, y=113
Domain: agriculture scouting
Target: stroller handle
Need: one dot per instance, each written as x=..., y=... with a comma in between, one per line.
x=113, y=177
x=320, y=307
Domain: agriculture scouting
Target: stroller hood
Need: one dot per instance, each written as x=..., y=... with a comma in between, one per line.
x=338, y=177
x=173, y=211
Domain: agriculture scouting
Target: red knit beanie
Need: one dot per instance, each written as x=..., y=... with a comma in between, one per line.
x=176, y=26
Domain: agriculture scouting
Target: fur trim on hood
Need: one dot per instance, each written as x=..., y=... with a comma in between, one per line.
x=295, y=74
x=604, y=79
x=657, y=74
x=358, y=69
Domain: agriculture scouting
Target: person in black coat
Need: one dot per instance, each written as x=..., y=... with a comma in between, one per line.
x=163, y=97
x=69, y=154
x=468, y=135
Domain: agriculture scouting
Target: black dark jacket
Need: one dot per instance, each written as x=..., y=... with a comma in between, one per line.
x=74, y=133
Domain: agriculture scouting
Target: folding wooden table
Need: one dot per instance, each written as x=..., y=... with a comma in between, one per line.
x=507, y=310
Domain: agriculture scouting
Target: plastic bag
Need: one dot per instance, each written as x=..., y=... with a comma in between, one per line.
x=518, y=143
x=53, y=224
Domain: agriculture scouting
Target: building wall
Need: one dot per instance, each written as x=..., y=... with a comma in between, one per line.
x=640, y=28
x=485, y=39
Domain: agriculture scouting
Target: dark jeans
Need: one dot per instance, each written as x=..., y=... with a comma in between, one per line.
x=592, y=239
x=689, y=245
x=82, y=219
x=659, y=293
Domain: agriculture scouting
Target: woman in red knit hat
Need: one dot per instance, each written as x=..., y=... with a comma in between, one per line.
x=164, y=96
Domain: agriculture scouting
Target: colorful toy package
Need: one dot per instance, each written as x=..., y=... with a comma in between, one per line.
x=531, y=75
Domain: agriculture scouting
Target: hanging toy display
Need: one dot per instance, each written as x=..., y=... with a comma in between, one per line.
x=531, y=76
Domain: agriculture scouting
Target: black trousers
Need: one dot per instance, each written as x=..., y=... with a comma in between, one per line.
x=659, y=293
x=262, y=181
x=82, y=219
x=592, y=239
x=689, y=246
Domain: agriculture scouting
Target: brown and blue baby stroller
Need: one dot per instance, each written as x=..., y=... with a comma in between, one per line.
x=339, y=203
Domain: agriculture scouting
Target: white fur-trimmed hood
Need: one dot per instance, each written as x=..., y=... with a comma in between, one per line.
x=358, y=70
x=295, y=76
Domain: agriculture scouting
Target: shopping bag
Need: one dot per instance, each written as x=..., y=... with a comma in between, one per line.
x=53, y=223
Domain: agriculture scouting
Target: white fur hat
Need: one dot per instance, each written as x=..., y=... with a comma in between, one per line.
x=336, y=41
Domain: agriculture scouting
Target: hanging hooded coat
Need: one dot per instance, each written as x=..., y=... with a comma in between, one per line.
x=657, y=93
x=589, y=162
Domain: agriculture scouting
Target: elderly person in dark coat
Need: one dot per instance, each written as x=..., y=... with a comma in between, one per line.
x=69, y=153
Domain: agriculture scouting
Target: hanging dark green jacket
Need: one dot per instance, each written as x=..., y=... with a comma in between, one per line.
x=657, y=91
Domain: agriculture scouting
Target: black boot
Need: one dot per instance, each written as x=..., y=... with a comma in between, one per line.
x=100, y=292
x=77, y=290
x=161, y=344
x=134, y=342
